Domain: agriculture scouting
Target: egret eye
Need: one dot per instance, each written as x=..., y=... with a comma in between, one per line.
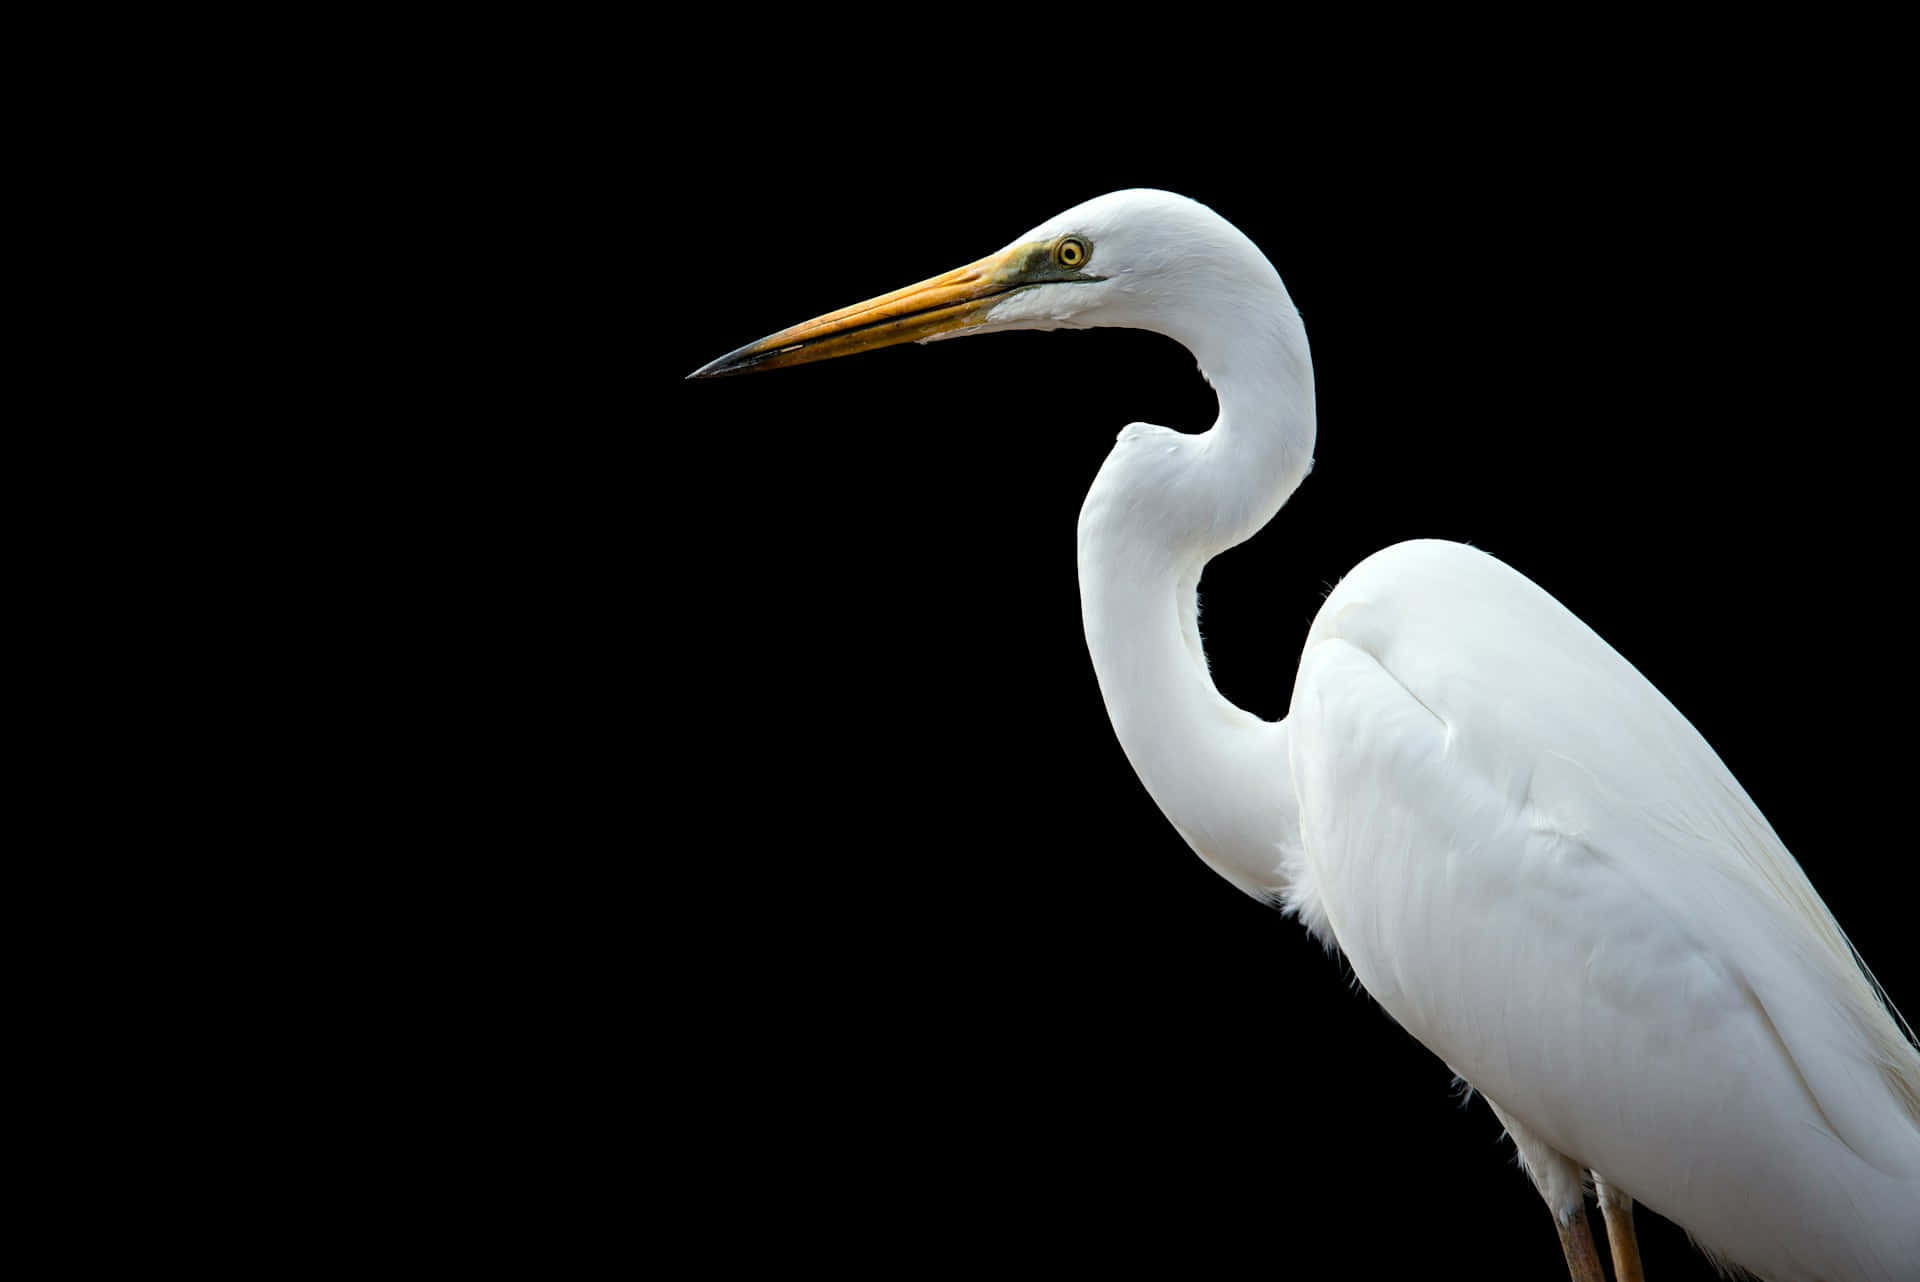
x=1071, y=252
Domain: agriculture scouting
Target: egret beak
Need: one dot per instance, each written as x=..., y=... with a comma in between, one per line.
x=958, y=300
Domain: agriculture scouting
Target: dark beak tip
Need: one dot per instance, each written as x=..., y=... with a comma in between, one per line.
x=738, y=361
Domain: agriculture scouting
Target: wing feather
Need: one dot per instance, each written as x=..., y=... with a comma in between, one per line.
x=1541, y=869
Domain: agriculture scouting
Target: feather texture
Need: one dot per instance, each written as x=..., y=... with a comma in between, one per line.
x=1539, y=867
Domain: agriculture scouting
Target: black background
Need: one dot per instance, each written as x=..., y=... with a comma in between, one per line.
x=928, y=957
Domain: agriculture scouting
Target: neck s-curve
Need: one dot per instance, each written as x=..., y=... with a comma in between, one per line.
x=1162, y=506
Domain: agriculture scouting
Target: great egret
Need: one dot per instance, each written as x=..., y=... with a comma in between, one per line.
x=1527, y=855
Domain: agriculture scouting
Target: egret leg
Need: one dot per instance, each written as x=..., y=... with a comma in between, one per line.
x=1617, y=1207
x=1561, y=1185
x=1583, y=1262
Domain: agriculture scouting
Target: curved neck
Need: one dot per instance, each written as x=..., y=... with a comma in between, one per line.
x=1163, y=505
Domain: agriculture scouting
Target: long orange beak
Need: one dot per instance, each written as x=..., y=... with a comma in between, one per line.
x=957, y=300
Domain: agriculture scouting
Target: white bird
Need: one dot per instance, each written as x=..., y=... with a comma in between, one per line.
x=1527, y=855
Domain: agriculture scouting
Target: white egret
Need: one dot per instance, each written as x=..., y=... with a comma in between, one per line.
x=1527, y=855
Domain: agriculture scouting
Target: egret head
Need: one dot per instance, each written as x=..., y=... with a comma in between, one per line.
x=1138, y=259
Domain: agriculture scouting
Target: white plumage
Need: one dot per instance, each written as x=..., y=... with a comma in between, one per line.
x=1556, y=886
x=1529, y=857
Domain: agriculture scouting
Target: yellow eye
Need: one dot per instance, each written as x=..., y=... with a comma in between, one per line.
x=1071, y=252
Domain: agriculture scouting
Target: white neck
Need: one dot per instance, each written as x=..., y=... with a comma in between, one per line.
x=1162, y=506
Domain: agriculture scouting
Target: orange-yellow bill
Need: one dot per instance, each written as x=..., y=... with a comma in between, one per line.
x=953, y=301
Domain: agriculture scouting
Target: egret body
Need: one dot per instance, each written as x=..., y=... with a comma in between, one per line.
x=1527, y=855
